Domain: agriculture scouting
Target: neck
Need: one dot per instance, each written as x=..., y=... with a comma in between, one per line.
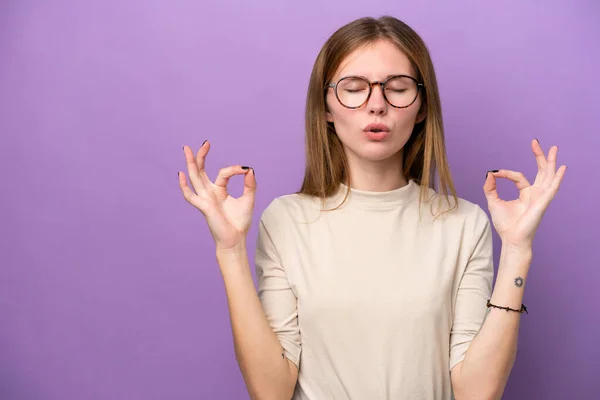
x=377, y=176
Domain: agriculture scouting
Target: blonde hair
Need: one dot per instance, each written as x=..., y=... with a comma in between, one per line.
x=424, y=154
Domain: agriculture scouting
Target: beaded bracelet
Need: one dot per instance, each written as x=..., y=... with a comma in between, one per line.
x=522, y=310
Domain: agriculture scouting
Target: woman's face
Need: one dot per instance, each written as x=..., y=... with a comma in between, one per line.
x=375, y=62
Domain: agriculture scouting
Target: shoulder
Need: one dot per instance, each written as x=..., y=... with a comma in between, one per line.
x=461, y=211
x=283, y=207
x=471, y=211
x=464, y=223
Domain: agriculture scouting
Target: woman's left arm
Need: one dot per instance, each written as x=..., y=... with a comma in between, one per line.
x=489, y=359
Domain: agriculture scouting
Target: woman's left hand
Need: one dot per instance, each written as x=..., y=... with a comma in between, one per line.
x=516, y=221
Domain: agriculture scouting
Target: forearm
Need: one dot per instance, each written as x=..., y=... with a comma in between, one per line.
x=268, y=375
x=491, y=355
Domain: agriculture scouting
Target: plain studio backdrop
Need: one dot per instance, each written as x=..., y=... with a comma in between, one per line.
x=109, y=287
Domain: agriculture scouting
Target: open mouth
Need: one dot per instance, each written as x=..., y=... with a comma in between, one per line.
x=376, y=128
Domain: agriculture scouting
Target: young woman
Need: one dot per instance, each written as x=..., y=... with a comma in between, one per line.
x=373, y=284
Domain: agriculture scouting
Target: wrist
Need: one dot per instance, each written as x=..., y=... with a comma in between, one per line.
x=522, y=250
x=515, y=258
x=236, y=250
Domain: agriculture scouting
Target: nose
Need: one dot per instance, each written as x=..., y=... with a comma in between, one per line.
x=377, y=104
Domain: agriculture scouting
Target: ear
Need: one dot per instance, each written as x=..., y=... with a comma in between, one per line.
x=329, y=116
x=327, y=112
x=422, y=114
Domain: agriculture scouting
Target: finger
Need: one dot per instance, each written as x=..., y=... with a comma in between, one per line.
x=540, y=158
x=489, y=187
x=558, y=177
x=551, y=168
x=226, y=173
x=517, y=177
x=250, y=184
x=541, y=161
x=188, y=193
x=201, y=156
x=192, y=168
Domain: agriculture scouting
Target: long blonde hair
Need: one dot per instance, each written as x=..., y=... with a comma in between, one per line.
x=424, y=153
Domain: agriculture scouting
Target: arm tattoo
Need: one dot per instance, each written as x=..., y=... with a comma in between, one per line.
x=518, y=281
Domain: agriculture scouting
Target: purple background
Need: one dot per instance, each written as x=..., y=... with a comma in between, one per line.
x=109, y=287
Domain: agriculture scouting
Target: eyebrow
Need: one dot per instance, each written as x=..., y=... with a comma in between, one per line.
x=386, y=77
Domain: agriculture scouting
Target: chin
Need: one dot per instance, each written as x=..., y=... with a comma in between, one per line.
x=375, y=155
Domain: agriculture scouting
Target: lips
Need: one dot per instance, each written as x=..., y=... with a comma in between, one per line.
x=376, y=128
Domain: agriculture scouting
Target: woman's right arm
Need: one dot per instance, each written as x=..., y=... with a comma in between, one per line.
x=268, y=374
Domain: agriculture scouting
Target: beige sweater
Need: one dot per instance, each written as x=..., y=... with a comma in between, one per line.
x=369, y=301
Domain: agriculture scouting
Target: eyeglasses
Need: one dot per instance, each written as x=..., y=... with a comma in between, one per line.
x=400, y=91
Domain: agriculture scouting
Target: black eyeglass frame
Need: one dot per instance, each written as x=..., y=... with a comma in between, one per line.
x=420, y=86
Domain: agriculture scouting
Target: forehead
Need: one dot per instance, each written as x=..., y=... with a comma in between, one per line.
x=376, y=61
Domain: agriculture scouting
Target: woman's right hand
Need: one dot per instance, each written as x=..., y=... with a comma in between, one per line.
x=228, y=218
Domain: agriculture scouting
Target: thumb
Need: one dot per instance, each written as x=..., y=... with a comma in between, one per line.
x=489, y=186
x=250, y=184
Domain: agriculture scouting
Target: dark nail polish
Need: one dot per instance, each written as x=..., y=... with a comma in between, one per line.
x=536, y=139
x=203, y=143
x=245, y=168
x=491, y=170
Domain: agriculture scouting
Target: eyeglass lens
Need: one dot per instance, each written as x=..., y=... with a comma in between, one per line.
x=400, y=91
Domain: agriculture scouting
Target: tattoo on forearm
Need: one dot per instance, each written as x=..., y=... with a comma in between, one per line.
x=518, y=281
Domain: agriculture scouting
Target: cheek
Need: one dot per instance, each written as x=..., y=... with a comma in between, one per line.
x=407, y=117
x=338, y=113
x=346, y=123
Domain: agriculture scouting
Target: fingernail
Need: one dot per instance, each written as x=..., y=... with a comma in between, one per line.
x=491, y=170
x=245, y=168
x=536, y=139
x=203, y=143
x=254, y=172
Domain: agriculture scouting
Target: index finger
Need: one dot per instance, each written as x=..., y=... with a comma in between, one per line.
x=516, y=177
